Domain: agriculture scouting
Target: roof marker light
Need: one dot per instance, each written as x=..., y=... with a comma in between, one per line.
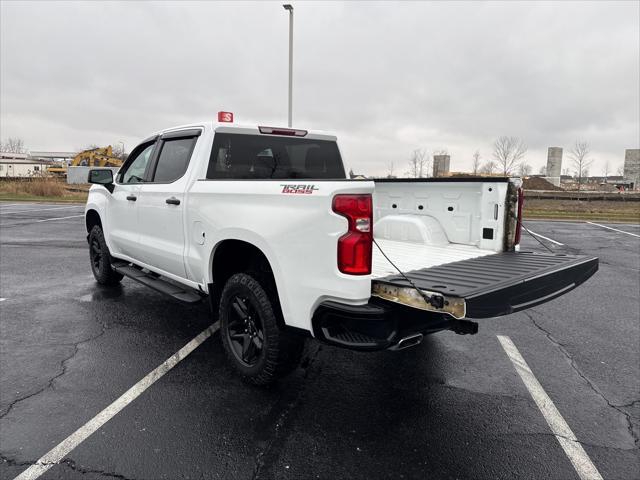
x=225, y=117
x=283, y=131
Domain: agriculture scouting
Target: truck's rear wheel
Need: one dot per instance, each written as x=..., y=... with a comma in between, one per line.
x=101, y=259
x=253, y=342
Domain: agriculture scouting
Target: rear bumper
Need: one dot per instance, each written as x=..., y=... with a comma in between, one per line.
x=377, y=325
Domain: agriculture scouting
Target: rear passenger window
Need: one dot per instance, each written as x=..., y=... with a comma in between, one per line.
x=173, y=159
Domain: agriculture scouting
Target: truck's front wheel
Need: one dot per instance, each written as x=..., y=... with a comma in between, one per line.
x=101, y=259
x=257, y=347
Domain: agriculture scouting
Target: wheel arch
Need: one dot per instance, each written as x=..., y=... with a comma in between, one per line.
x=91, y=219
x=231, y=256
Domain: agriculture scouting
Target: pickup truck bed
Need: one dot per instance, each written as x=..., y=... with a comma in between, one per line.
x=411, y=256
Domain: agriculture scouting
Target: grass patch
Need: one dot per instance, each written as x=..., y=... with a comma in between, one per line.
x=6, y=197
x=39, y=190
x=582, y=210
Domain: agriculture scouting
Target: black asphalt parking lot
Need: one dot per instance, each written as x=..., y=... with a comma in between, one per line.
x=453, y=407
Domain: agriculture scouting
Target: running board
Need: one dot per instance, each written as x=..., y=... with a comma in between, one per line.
x=157, y=283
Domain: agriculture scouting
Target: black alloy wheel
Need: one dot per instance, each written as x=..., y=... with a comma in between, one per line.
x=245, y=331
x=253, y=340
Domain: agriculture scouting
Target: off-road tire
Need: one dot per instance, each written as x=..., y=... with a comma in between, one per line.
x=281, y=351
x=100, y=259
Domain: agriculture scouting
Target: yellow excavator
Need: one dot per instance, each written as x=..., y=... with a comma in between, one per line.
x=94, y=157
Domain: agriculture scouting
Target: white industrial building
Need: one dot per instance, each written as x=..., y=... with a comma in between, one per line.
x=21, y=165
x=58, y=157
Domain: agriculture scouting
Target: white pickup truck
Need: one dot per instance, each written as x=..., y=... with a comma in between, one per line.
x=264, y=222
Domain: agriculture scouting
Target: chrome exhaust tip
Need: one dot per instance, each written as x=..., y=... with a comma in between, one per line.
x=406, y=342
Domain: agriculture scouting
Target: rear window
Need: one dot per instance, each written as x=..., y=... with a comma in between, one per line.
x=265, y=156
x=173, y=159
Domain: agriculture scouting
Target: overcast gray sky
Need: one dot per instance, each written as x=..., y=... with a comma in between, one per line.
x=386, y=77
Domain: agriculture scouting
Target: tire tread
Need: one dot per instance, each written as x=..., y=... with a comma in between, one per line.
x=106, y=275
x=283, y=350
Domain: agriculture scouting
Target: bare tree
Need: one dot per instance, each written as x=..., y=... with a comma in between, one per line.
x=13, y=145
x=489, y=167
x=606, y=170
x=118, y=151
x=543, y=170
x=427, y=165
x=566, y=171
x=475, y=165
x=620, y=171
x=580, y=156
x=524, y=169
x=418, y=164
x=390, y=169
x=508, y=151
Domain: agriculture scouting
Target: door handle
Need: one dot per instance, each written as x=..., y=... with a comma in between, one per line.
x=173, y=201
x=132, y=198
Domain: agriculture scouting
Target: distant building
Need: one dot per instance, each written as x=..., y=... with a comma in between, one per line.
x=63, y=157
x=554, y=161
x=554, y=166
x=441, y=165
x=632, y=167
x=20, y=165
x=603, y=179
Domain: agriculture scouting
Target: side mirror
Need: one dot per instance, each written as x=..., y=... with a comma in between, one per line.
x=102, y=176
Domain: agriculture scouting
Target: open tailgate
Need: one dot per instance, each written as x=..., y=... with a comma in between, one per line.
x=488, y=286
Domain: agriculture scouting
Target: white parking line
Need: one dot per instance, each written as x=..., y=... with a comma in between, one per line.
x=614, y=229
x=581, y=462
x=54, y=456
x=36, y=210
x=59, y=218
x=546, y=238
x=39, y=221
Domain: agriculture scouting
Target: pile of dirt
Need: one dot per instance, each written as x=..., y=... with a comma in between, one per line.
x=537, y=183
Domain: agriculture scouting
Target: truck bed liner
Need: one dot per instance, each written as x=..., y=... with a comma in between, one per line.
x=408, y=256
x=502, y=283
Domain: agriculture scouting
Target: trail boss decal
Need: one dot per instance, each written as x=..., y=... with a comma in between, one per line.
x=299, y=189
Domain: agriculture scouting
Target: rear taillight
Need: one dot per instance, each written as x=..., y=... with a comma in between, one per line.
x=516, y=240
x=354, y=247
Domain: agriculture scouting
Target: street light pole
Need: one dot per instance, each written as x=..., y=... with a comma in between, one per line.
x=290, y=9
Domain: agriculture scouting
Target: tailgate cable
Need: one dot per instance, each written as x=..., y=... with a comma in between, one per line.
x=536, y=238
x=437, y=302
